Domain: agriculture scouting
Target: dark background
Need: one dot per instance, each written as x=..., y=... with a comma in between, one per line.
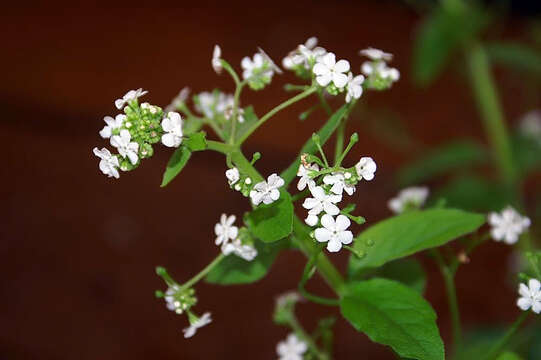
x=79, y=249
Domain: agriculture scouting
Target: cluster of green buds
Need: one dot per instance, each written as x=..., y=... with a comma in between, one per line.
x=379, y=76
x=177, y=298
x=284, y=307
x=239, y=182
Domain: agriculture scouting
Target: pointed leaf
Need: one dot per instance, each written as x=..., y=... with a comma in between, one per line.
x=176, y=164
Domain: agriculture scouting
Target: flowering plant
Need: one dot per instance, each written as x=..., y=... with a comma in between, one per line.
x=390, y=309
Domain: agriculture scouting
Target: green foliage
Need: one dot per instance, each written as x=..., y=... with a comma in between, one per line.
x=406, y=271
x=406, y=234
x=197, y=141
x=272, y=222
x=176, y=164
x=235, y=270
x=508, y=356
x=473, y=193
x=250, y=118
x=310, y=147
x=526, y=153
x=393, y=314
x=442, y=34
x=445, y=159
x=516, y=56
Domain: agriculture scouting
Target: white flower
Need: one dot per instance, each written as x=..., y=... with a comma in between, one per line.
x=380, y=69
x=196, y=324
x=507, y=225
x=181, y=98
x=530, y=124
x=338, y=182
x=112, y=124
x=108, y=163
x=288, y=298
x=291, y=349
x=355, y=87
x=225, y=230
x=129, y=96
x=530, y=296
x=172, y=125
x=366, y=168
x=304, y=54
x=410, y=197
x=252, y=67
x=205, y=104
x=321, y=202
x=125, y=146
x=268, y=59
x=232, y=175
x=376, y=54
x=216, y=59
x=304, y=174
x=267, y=192
x=244, y=251
x=334, y=232
x=327, y=69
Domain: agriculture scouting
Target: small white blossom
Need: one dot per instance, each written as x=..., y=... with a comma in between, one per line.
x=321, y=202
x=197, y=324
x=172, y=125
x=212, y=104
x=252, y=66
x=267, y=192
x=112, y=124
x=232, y=175
x=298, y=57
x=216, y=59
x=376, y=54
x=339, y=185
x=530, y=296
x=225, y=230
x=409, y=197
x=328, y=70
x=507, y=225
x=304, y=174
x=288, y=298
x=380, y=69
x=108, y=163
x=530, y=124
x=171, y=302
x=366, y=168
x=354, y=87
x=129, y=96
x=181, y=98
x=205, y=104
x=334, y=232
x=125, y=146
x=291, y=349
x=229, y=112
x=269, y=60
x=247, y=252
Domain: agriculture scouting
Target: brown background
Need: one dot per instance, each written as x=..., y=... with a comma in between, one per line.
x=79, y=250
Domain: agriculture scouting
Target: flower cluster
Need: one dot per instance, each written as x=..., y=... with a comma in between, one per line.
x=411, y=198
x=258, y=70
x=238, y=182
x=508, y=225
x=134, y=132
x=530, y=296
x=327, y=187
x=292, y=348
x=379, y=76
x=302, y=59
x=179, y=300
x=216, y=105
x=233, y=240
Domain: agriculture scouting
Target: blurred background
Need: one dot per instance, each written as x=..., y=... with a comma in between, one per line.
x=79, y=249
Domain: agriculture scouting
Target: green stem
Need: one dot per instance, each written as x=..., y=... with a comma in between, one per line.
x=234, y=119
x=497, y=348
x=220, y=147
x=450, y=288
x=340, y=132
x=202, y=273
x=299, y=330
x=488, y=103
x=273, y=111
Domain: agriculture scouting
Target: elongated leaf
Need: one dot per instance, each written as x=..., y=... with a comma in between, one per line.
x=516, y=56
x=272, y=222
x=406, y=234
x=310, y=147
x=448, y=158
x=393, y=314
x=176, y=164
x=235, y=270
x=406, y=271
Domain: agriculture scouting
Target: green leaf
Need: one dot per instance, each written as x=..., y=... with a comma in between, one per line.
x=406, y=234
x=508, y=356
x=473, y=193
x=526, y=153
x=197, y=141
x=446, y=159
x=406, y=271
x=515, y=55
x=235, y=270
x=392, y=314
x=441, y=35
x=272, y=222
x=176, y=164
x=310, y=147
